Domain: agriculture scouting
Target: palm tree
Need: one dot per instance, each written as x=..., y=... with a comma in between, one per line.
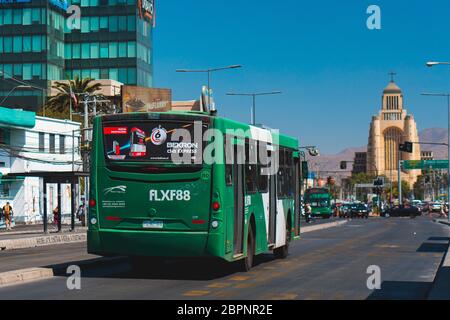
x=72, y=90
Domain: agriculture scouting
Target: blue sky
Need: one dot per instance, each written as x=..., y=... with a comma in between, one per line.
x=330, y=67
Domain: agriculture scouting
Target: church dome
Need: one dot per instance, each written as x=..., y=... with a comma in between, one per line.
x=392, y=88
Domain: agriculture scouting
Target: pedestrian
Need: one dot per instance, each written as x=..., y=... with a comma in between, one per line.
x=8, y=214
x=81, y=214
x=308, y=212
x=56, y=217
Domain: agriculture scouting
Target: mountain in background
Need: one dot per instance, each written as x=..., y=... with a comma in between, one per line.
x=331, y=162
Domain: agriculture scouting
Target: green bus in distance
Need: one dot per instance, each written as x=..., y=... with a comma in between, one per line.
x=320, y=201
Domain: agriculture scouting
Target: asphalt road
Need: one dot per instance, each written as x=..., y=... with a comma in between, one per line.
x=327, y=264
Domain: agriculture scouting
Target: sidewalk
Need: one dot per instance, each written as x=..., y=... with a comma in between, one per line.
x=29, y=236
x=441, y=285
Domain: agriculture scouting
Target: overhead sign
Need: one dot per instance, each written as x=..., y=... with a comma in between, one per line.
x=425, y=164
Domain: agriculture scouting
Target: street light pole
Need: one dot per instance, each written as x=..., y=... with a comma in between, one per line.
x=447, y=95
x=209, y=71
x=254, y=95
x=12, y=90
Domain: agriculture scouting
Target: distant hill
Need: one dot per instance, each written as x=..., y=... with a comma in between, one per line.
x=331, y=162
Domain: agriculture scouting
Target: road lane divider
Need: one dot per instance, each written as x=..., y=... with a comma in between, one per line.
x=322, y=226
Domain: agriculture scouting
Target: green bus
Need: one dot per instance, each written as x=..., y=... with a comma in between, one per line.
x=145, y=204
x=320, y=201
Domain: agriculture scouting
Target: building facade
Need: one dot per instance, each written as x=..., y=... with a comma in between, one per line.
x=42, y=40
x=390, y=128
x=360, y=163
x=31, y=145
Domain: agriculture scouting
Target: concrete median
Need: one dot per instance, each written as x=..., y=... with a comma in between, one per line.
x=39, y=241
x=322, y=226
x=441, y=285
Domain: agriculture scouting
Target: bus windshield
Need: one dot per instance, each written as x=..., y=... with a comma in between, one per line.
x=153, y=141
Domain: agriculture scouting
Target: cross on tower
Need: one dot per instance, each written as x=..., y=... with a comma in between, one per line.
x=392, y=74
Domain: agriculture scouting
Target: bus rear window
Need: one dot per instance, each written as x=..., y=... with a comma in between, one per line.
x=156, y=141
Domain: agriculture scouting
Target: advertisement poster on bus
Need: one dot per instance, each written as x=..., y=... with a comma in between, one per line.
x=153, y=141
x=140, y=99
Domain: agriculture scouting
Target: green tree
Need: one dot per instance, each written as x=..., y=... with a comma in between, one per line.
x=61, y=101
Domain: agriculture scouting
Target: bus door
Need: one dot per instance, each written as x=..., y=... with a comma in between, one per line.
x=297, y=196
x=273, y=206
x=238, y=183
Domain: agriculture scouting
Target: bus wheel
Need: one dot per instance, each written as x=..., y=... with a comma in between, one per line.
x=283, y=252
x=247, y=263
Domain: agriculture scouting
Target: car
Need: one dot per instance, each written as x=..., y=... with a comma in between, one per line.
x=402, y=211
x=359, y=210
x=344, y=211
x=435, y=206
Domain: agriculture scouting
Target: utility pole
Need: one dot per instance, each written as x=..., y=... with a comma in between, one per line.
x=400, y=196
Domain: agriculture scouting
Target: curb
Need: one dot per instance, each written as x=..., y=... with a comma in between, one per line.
x=322, y=226
x=23, y=276
x=31, y=232
x=40, y=241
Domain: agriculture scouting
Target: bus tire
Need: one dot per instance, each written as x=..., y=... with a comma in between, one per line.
x=247, y=262
x=283, y=252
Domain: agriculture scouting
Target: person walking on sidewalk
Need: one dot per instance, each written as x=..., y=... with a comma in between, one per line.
x=8, y=213
x=56, y=217
x=308, y=211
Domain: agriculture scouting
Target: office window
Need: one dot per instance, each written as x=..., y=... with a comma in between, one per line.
x=1, y=18
x=114, y=74
x=36, y=43
x=95, y=73
x=131, y=47
x=41, y=142
x=113, y=49
x=7, y=44
x=37, y=70
x=17, y=44
x=94, y=24
x=85, y=48
x=27, y=44
x=131, y=23
x=104, y=50
x=17, y=16
x=93, y=3
x=103, y=23
x=113, y=23
x=62, y=144
x=85, y=3
x=122, y=49
x=52, y=143
x=17, y=70
x=7, y=16
x=68, y=51
x=36, y=15
x=1, y=44
x=84, y=24
x=122, y=23
x=7, y=71
x=131, y=75
x=85, y=73
x=27, y=71
x=94, y=50
x=26, y=16
x=103, y=74
x=123, y=75
x=76, y=48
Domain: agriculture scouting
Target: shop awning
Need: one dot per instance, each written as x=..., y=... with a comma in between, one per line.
x=17, y=118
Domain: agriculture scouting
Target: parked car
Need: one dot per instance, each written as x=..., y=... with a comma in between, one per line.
x=436, y=206
x=402, y=211
x=344, y=211
x=359, y=210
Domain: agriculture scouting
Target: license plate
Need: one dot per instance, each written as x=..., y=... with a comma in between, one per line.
x=153, y=225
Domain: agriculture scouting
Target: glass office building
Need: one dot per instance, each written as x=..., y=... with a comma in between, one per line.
x=42, y=40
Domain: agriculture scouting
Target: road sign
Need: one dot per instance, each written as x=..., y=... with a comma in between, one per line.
x=425, y=164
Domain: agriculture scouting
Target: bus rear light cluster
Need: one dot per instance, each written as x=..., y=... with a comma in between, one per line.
x=216, y=206
x=92, y=203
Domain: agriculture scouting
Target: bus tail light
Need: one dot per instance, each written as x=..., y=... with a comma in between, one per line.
x=216, y=206
x=92, y=203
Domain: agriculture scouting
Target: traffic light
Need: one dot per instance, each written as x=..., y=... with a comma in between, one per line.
x=343, y=165
x=406, y=147
x=378, y=182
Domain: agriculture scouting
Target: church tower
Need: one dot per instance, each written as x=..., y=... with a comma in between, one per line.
x=390, y=128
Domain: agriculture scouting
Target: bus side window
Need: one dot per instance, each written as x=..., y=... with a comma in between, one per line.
x=263, y=179
x=228, y=159
x=250, y=166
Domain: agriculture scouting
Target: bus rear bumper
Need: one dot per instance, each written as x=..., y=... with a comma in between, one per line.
x=148, y=243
